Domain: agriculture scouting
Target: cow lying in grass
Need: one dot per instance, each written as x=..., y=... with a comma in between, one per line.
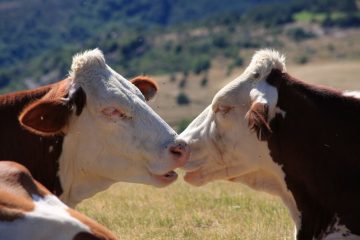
x=285, y=137
x=29, y=211
x=80, y=135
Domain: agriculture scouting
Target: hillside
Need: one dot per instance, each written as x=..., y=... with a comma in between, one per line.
x=185, y=37
x=29, y=27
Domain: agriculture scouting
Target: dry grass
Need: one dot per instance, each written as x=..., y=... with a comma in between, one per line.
x=220, y=210
x=216, y=211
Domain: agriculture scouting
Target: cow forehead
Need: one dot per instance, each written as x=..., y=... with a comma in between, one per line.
x=108, y=84
x=235, y=93
x=90, y=71
x=119, y=82
x=262, y=63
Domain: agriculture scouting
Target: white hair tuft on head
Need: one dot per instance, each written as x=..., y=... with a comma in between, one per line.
x=89, y=59
x=265, y=60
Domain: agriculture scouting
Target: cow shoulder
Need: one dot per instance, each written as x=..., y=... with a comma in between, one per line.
x=16, y=190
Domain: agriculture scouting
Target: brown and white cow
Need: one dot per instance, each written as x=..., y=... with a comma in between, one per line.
x=29, y=211
x=80, y=135
x=288, y=138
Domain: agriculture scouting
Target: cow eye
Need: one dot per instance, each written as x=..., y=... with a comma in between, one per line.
x=113, y=113
x=223, y=109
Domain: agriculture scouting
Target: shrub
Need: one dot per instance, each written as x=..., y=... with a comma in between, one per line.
x=302, y=59
x=183, y=125
x=182, y=83
x=299, y=34
x=182, y=99
x=220, y=42
x=172, y=78
x=204, y=82
x=238, y=62
x=202, y=65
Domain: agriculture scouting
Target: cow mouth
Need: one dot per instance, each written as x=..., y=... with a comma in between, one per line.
x=167, y=178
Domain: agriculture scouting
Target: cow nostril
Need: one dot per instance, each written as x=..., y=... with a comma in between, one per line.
x=177, y=151
x=180, y=152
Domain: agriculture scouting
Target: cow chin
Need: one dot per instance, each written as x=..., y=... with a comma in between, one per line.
x=165, y=179
x=162, y=176
x=200, y=176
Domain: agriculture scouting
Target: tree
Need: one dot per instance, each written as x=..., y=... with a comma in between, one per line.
x=202, y=65
x=204, y=82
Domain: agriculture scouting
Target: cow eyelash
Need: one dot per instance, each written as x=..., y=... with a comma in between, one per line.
x=224, y=109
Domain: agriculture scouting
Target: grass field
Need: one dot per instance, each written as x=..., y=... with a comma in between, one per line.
x=220, y=210
x=216, y=211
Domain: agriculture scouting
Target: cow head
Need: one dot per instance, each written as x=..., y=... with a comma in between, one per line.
x=226, y=139
x=110, y=133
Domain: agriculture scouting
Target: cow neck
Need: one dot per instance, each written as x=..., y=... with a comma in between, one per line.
x=319, y=126
x=39, y=154
x=78, y=184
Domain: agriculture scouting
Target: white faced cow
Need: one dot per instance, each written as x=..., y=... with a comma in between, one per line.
x=288, y=138
x=29, y=211
x=93, y=129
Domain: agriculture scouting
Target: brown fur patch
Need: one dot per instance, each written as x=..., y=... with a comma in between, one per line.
x=86, y=236
x=46, y=117
x=50, y=115
x=257, y=118
x=317, y=146
x=16, y=189
x=23, y=146
x=99, y=231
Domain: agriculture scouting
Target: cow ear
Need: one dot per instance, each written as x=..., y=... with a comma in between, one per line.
x=257, y=118
x=50, y=116
x=46, y=116
x=146, y=85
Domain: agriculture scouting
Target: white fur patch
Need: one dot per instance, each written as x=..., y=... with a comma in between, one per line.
x=87, y=60
x=266, y=60
x=49, y=220
x=261, y=65
x=280, y=111
x=337, y=231
x=266, y=94
x=355, y=94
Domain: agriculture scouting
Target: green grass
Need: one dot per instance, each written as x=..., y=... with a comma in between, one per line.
x=307, y=16
x=220, y=210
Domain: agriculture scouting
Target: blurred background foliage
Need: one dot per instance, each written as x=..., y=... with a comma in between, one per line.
x=39, y=37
